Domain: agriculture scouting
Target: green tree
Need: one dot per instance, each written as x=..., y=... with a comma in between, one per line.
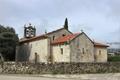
x=8, y=42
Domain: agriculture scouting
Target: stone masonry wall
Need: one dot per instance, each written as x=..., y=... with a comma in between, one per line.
x=82, y=49
x=58, y=68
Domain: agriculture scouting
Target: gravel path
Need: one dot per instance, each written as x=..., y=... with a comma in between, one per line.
x=110, y=76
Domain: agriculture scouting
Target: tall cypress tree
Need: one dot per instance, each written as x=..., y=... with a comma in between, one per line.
x=66, y=24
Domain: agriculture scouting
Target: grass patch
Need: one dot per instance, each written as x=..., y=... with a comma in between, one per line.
x=114, y=58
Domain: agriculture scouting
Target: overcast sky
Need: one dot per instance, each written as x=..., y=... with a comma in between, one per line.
x=100, y=19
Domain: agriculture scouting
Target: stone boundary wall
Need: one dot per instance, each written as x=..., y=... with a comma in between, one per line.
x=58, y=68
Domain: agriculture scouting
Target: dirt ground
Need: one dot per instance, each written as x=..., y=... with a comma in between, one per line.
x=110, y=76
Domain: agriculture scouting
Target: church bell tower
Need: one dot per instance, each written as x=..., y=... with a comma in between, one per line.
x=29, y=31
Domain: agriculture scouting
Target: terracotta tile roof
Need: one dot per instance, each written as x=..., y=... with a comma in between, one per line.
x=64, y=38
x=96, y=44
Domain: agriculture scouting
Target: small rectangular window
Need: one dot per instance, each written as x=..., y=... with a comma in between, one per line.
x=31, y=45
x=99, y=52
x=61, y=50
x=83, y=50
x=53, y=37
x=86, y=50
x=63, y=35
x=78, y=43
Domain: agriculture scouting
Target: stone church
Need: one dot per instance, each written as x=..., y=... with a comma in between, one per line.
x=60, y=45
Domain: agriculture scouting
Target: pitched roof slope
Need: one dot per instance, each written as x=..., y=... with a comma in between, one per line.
x=33, y=38
x=66, y=38
x=40, y=36
x=55, y=31
x=96, y=44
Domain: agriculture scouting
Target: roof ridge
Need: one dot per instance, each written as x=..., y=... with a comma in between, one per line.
x=55, y=30
x=44, y=34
